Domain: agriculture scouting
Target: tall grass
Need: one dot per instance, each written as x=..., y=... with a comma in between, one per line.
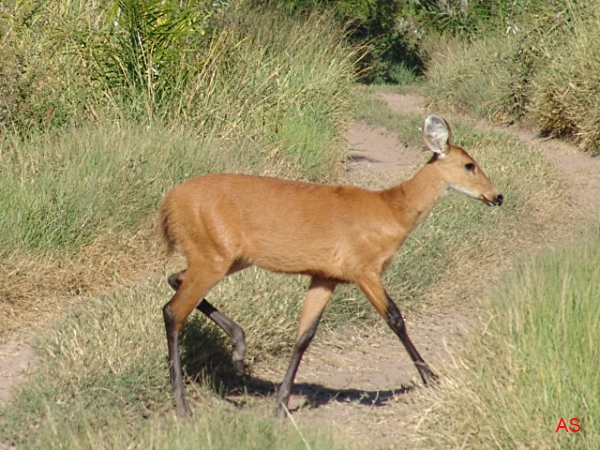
x=566, y=90
x=471, y=78
x=535, y=363
x=63, y=189
x=272, y=99
x=542, y=73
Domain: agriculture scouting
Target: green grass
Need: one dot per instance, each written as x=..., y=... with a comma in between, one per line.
x=66, y=188
x=534, y=364
x=475, y=78
x=273, y=103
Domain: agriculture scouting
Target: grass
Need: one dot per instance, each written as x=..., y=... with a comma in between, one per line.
x=543, y=74
x=533, y=365
x=67, y=188
x=475, y=79
x=103, y=384
x=274, y=104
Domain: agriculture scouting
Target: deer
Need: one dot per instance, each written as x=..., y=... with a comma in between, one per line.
x=335, y=234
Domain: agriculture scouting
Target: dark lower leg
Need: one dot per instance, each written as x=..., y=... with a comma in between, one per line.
x=285, y=388
x=396, y=323
x=233, y=330
x=175, y=363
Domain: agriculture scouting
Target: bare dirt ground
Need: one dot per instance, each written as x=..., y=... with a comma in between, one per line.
x=16, y=360
x=363, y=383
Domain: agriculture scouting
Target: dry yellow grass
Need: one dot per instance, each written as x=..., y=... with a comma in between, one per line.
x=36, y=290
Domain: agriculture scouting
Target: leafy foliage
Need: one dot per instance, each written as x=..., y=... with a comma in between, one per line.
x=472, y=19
x=150, y=50
x=455, y=17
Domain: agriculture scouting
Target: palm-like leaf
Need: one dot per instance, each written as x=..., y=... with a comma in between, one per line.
x=142, y=53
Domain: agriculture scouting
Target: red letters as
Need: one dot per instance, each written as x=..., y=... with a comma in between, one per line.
x=574, y=428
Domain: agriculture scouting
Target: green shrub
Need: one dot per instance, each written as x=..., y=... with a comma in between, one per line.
x=147, y=51
x=40, y=86
x=173, y=62
x=565, y=97
x=471, y=20
x=379, y=28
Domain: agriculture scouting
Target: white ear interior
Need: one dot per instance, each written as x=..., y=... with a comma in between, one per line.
x=436, y=133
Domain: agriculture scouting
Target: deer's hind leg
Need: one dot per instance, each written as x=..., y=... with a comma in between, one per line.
x=192, y=288
x=233, y=330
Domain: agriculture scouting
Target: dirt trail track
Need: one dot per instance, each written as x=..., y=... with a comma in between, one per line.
x=364, y=385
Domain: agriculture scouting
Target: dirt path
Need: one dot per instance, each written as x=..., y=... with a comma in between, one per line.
x=363, y=383
x=17, y=359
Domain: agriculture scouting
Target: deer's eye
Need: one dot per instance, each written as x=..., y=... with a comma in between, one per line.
x=470, y=167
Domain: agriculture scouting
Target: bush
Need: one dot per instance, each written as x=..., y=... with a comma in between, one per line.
x=40, y=86
x=565, y=97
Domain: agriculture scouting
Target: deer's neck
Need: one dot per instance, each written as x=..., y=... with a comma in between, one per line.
x=413, y=199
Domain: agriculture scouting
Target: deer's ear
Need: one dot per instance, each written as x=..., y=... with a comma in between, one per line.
x=436, y=133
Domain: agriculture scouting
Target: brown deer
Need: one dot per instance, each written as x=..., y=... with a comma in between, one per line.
x=224, y=223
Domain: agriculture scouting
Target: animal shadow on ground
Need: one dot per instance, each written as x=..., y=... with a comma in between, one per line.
x=315, y=395
x=206, y=355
